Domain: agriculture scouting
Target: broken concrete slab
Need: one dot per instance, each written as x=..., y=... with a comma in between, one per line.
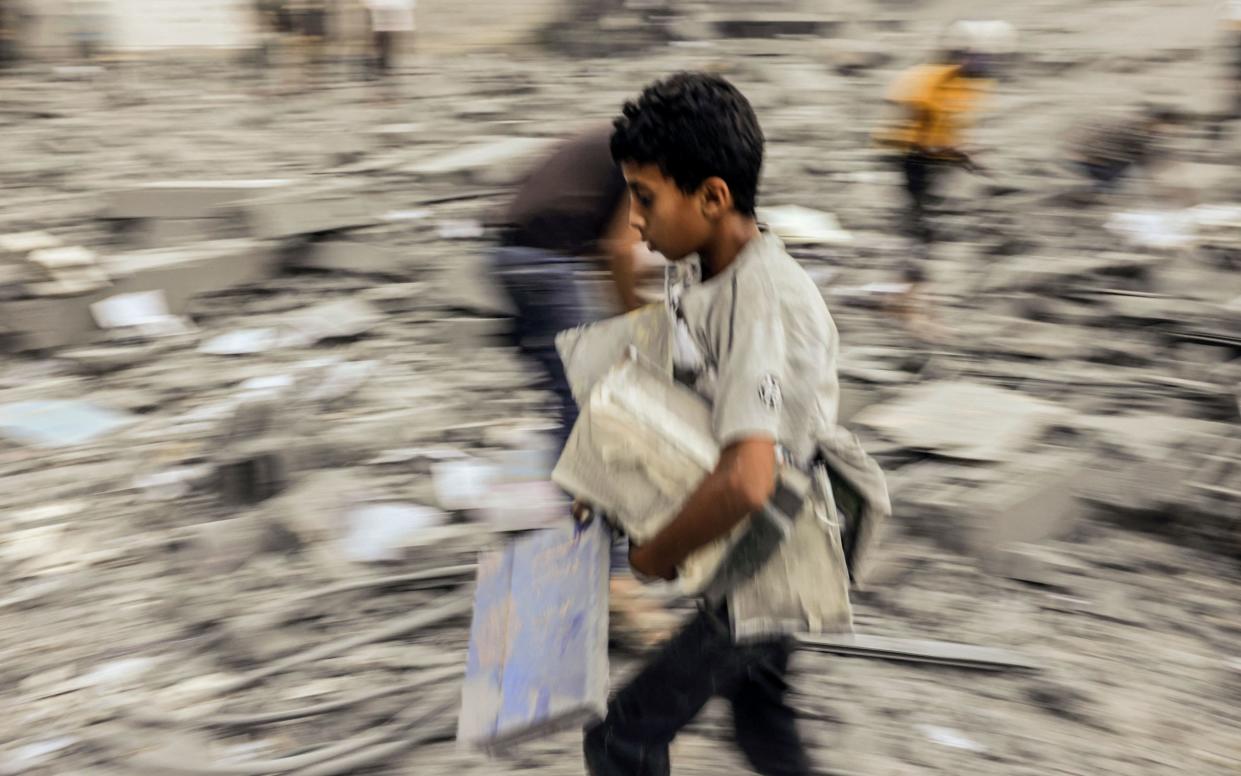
x=181, y=274
x=364, y=258
x=396, y=298
x=171, y=232
x=185, y=199
x=304, y=213
x=341, y=319
x=224, y=546
x=980, y=510
x=971, y=421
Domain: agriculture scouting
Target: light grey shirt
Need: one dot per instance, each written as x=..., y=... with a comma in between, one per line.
x=758, y=343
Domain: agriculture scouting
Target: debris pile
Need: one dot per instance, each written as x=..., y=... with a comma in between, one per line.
x=260, y=416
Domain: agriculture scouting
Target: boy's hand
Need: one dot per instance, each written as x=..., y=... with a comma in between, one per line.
x=641, y=561
x=583, y=513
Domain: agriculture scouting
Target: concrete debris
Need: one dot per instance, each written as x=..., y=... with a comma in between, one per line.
x=330, y=380
x=970, y=421
x=397, y=298
x=364, y=258
x=154, y=233
x=295, y=214
x=198, y=550
x=1029, y=500
x=185, y=199
x=20, y=245
x=44, y=323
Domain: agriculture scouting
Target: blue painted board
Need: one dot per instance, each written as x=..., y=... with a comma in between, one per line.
x=537, y=661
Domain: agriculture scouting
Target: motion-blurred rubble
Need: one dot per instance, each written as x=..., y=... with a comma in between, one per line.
x=241, y=545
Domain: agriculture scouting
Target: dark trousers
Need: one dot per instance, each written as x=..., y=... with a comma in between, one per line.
x=549, y=298
x=700, y=662
x=920, y=171
x=385, y=51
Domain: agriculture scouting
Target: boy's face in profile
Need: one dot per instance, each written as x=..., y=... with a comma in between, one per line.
x=672, y=222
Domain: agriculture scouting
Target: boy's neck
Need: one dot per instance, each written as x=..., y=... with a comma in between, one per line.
x=726, y=244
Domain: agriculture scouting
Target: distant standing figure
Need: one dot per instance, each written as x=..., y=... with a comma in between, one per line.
x=391, y=20
x=936, y=101
x=90, y=22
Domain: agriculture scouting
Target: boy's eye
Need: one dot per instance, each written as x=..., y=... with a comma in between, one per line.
x=644, y=200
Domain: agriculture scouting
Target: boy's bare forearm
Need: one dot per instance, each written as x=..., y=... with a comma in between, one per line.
x=740, y=485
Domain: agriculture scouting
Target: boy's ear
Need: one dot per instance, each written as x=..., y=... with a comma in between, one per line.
x=715, y=197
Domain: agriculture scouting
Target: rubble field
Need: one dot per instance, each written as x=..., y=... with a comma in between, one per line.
x=259, y=412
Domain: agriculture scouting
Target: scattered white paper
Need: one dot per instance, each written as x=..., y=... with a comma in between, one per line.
x=267, y=384
x=416, y=214
x=379, y=532
x=1155, y=228
x=950, y=737
x=119, y=672
x=171, y=484
x=143, y=310
x=250, y=341
x=461, y=485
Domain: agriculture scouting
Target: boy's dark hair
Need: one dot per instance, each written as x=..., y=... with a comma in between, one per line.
x=694, y=126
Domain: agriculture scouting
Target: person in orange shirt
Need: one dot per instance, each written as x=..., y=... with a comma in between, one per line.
x=936, y=101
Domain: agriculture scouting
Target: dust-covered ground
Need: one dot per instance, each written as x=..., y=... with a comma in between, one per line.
x=153, y=623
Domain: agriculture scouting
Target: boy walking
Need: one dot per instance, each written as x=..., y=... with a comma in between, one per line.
x=756, y=340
